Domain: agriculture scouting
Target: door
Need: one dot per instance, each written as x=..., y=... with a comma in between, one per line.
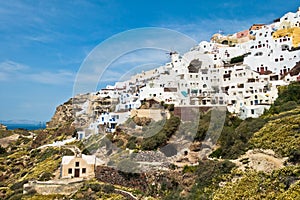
x=76, y=173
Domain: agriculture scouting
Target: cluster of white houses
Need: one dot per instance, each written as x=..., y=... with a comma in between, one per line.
x=241, y=71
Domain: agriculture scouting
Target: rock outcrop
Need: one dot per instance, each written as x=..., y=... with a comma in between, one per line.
x=63, y=115
x=3, y=127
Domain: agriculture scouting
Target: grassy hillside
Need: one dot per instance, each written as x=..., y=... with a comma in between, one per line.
x=216, y=178
x=281, y=135
x=281, y=184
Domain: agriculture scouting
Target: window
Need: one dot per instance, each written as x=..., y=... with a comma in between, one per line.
x=76, y=164
x=70, y=171
x=83, y=170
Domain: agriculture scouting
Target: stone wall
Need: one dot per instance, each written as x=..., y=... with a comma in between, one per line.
x=150, y=182
x=155, y=114
x=115, y=177
x=63, y=187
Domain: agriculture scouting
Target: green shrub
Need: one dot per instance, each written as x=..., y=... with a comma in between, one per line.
x=120, y=143
x=96, y=187
x=208, y=175
x=288, y=99
x=108, y=189
x=237, y=59
x=46, y=176
x=189, y=169
x=131, y=144
x=235, y=141
x=294, y=156
x=2, y=150
x=171, y=107
x=216, y=154
x=161, y=138
x=18, y=185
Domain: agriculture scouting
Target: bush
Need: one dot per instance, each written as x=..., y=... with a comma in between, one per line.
x=189, y=169
x=235, y=141
x=18, y=185
x=171, y=107
x=288, y=99
x=294, y=156
x=96, y=187
x=209, y=174
x=2, y=150
x=45, y=176
x=161, y=138
x=237, y=59
x=120, y=143
x=108, y=189
x=31, y=192
x=131, y=144
x=216, y=154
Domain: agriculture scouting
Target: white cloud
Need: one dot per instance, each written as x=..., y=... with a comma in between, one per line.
x=39, y=38
x=52, y=78
x=10, y=70
x=11, y=66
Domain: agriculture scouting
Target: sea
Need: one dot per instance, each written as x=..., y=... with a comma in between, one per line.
x=26, y=126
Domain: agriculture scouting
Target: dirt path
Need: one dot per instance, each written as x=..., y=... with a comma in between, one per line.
x=260, y=160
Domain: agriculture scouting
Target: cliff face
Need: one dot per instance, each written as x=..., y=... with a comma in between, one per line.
x=74, y=112
x=3, y=127
x=63, y=115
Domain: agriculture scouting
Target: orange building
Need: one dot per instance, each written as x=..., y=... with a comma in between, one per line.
x=255, y=27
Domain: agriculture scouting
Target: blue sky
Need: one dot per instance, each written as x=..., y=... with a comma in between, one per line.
x=44, y=42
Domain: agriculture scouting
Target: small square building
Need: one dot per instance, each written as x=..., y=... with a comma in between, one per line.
x=79, y=166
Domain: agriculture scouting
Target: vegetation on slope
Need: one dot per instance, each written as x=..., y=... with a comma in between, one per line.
x=161, y=138
x=278, y=129
x=235, y=137
x=208, y=174
x=280, y=184
x=288, y=99
x=281, y=135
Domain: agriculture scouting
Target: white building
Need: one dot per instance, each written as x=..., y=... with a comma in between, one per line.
x=207, y=76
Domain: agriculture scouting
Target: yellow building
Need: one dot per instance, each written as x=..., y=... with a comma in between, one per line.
x=293, y=33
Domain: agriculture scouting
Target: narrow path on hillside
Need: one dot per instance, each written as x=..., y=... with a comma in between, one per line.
x=58, y=143
x=127, y=193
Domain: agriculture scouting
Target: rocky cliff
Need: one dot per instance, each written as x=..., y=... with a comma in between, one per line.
x=3, y=127
x=63, y=115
